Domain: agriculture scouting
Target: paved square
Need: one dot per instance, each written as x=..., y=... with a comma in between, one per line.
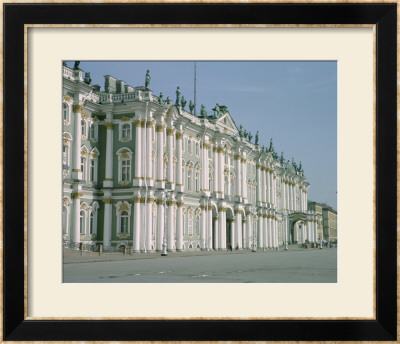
x=293, y=266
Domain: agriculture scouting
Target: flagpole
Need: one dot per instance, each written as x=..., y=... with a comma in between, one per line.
x=195, y=88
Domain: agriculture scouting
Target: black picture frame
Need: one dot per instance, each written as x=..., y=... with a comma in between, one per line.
x=17, y=328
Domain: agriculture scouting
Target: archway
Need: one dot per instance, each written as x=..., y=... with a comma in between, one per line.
x=299, y=232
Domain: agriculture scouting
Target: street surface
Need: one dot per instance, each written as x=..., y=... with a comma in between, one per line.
x=293, y=266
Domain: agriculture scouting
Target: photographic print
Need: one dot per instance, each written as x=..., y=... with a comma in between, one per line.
x=199, y=171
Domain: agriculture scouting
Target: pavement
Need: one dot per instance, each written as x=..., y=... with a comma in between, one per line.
x=296, y=265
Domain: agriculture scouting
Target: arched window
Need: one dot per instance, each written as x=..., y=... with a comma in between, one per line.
x=197, y=181
x=226, y=157
x=123, y=217
x=91, y=223
x=124, y=165
x=67, y=138
x=65, y=112
x=125, y=131
x=83, y=127
x=83, y=167
x=82, y=222
x=197, y=225
x=197, y=148
x=189, y=146
x=226, y=186
x=189, y=179
x=124, y=222
x=93, y=131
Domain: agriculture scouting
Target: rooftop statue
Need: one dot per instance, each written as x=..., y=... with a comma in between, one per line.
x=178, y=96
x=203, y=111
x=148, y=78
x=275, y=155
x=256, y=138
x=183, y=102
x=191, y=106
x=217, y=111
x=282, y=159
x=245, y=134
x=87, y=79
x=240, y=131
x=271, y=146
x=250, y=136
x=294, y=164
x=76, y=64
x=160, y=99
x=168, y=100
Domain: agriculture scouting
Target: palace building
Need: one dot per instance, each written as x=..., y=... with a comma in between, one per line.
x=141, y=171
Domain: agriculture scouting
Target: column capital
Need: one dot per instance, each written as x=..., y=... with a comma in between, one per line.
x=77, y=108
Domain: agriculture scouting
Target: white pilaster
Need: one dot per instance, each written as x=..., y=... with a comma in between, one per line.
x=222, y=227
x=203, y=223
x=259, y=185
x=238, y=176
x=77, y=141
x=76, y=209
x=170, y=227
x=216, y=238
x=179, y=177
x=149, y=224
x=243, y=162
x=108, y=180
x=216, y=171
x=239, y=234
x=160, y=223
x=170, y=143
x=179, y=225
x=107, y=218
x=138, y=179
x=260, y=235
x=160, y=128
x=137, y=223
x=149, y=150
x=221, y=179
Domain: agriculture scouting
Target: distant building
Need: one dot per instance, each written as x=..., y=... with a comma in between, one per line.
x=326, y=220
x=141, y=171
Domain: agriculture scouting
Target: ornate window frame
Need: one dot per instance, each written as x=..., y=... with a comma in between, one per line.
x=93, y=212
x=84, y=162
x=94, y=131
x=66, y=114
x=125, y=131
x=65, y=219
x=93, y=159
x=124, y=161
x=122, y=207
x=66, y=156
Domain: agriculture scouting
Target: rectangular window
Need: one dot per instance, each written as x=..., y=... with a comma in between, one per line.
x=92, y=170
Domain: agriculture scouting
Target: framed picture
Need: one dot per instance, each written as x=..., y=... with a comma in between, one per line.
x=360, y=306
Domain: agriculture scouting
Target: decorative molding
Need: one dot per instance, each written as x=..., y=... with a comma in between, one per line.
x=150, y=124
x=76, y=195
x=139, y=123
x=236, y=157
x=179, y=136
x=124, y=119
x=107, y=200
x=67, y=98
x=180, y=204
x=77, y=108
x=170, y=203
x=160, y=128
x=170, y=131
x=85, y=115
x=108, y=125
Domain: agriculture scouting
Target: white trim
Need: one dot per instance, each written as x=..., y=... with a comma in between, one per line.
x=119, y=211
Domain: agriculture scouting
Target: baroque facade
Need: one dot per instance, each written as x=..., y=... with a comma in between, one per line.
x=140, y=171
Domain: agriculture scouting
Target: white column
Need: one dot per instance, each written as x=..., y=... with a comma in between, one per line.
x=179, y=226
x=238, y=175
x=249, y=225
x=160, y=224
x=149, y=151
x=216, y=171
x=309, y=230
x=179, y=177
x=260, y=235
x=138, y=152
x=160, y=155
x=243, y=162
x=275, y=226
x=259, y=186
x=268, y=187
x=149, y=223
x=108, y=179
x=170, y=144
x=76, y=162
x=205, y=168
x=210, y=233
x=238, y=236
x=269, y=226
x=203, y=222
x=273, y=188
x=136, y=224
x=221, y=178
x=170, y=227
x=293, y=198
x=217, y=236
x=285, y=195
x=107, y=221
x=222, y=227
x=245, y=229
x=76, y=209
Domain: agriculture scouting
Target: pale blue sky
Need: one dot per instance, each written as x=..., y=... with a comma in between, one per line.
x=294, y=103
